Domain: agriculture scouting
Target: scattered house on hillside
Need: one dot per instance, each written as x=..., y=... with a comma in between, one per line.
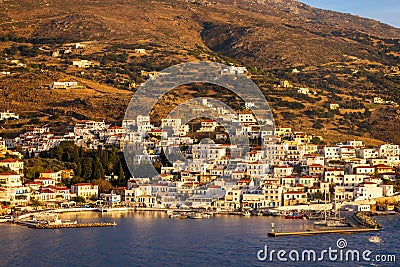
x=285, y=84
x=83, y=63
x=79, y=46
x=140, y=51
x=233, y=70
x=7, y=115
x=333, y=106
x=295, y=70
x=378, y=100
x=303, y=90
x=64, y=85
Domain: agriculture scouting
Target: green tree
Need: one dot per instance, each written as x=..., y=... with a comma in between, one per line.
x=35, y=203
x=104, y=186
x=87, y=168
x=79, y=199
x=98, y=171
x=121, y=175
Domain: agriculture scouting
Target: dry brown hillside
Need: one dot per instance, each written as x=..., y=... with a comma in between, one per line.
x=341, y=58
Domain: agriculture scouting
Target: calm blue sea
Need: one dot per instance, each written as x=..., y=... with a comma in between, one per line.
x=152, y=239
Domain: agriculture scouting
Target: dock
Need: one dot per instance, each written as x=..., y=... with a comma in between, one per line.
x=323, y=231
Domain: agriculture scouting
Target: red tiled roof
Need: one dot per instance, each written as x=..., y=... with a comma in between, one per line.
x=120, y=188
x=47, y=191
x=289, y=176
x=8, y=173
x=316, y=165
x=367, y=183
x=9, y=160
x=48, y=171
x=82, y=184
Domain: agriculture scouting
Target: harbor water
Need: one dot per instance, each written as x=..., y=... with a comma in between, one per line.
x=153, y=239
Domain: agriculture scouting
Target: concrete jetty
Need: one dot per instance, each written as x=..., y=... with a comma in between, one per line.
x=325, y=231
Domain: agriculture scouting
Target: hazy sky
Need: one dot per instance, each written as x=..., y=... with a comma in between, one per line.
x=387, y=11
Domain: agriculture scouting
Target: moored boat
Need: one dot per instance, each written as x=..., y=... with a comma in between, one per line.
x=294, y=215
x=196, y=216
x=6, y=218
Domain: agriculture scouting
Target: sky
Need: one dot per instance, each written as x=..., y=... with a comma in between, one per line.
x=387, y=11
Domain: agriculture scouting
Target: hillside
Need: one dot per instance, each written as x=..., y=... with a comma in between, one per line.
x=341, y=58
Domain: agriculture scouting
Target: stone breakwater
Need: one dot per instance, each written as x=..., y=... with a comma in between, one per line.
x=365, y=220
x=80, y=225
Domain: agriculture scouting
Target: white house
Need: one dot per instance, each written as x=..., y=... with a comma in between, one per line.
x=10, y=179
x=7, y=115
x=257, y=168
x=64, y=85
x=14, y=165
x=85, y=190
x=294, y=197
x=367, y=190
x=332, y=153
x=282, y=171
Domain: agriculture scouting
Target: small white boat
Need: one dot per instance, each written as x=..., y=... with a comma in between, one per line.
x=104, y=209
x=176, y=215
x=170, y=212
x=335, y=223
x=196, y=216
x=375, y=239
x=6, y=218
x=246, y=213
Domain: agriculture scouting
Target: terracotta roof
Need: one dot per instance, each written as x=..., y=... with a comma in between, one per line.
x=316, y=165
x=367, y=183
x=8, y=173
x=48, y=171
x=120, y=188
x=47, y=191
x=289, y=176
x=9, y=160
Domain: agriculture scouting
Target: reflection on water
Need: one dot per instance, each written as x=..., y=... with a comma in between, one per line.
x=281, y=224
x=152, y=239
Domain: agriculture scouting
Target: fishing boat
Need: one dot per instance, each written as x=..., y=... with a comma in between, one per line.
x=246, y=213
x=208, y=215
x=375, y=239
x=174, y=215
x=183, y=216
x=196, y=216
x=294, y=215
x=6, y=218
x=336, y=223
